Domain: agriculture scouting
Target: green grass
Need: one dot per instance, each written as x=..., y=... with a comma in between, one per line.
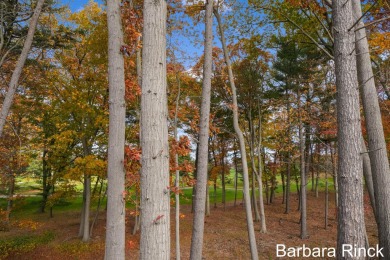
x=25, y=207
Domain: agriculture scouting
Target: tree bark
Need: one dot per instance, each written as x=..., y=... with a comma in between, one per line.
x=368, y=177
x=263, y=226
x=87, y=188
x=334, y=175
x=303, y=173
x=155, y=193
x=235, y=176
x=240, y=136
x=201, y=181
x=351, y=228
x=376, y=141
x=19, y=66
x=115, y=226
x=286, y=190
x=177, y=178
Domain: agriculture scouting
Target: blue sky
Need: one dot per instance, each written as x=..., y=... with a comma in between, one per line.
x=76, y=5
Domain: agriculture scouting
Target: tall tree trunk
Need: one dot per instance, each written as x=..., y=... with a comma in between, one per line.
x=286, y=191
x=137, y=214
x=283, y=185
x=326, y=190
x=303, y=174
x=97, y=208
x=115, y=226
x=317, y=168
x=201, y=181
x=376, y=140
x=255, y=205
x=177, y=179
x=207, y=200
x=350, y=167
x=255, y=174
x=215, y=192
x=19, y=65
x=223, y=174
x=155, y=196
x=193, y=197
x=263, y=227
x=235, y=176
x=368, y=177
x=334, y=175
x=240, y=136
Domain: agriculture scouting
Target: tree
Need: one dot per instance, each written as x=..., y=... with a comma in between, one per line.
x=202, y=163
x=373, y=121
x=350, y=168
x=115, y=226
x=155, y=191
x=241, y=141
x=19, y=65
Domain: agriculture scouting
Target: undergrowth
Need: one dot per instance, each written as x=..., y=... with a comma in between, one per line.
x=24, y=243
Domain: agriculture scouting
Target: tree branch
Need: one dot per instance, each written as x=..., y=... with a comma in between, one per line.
x=372, y=23
x=361, y=17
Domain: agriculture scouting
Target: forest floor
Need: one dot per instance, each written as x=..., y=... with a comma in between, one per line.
x=225, y=233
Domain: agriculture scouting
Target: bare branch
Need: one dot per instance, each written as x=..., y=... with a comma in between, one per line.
x=361, y=17
x=373, y=22
x=323, y=25
x=328, y=3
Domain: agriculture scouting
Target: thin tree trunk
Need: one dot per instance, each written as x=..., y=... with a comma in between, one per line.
x=207, y=200
x=240, y=136
x=298, y=190
x=215, y=192
x=283, y=186
x=350, y=167
x=286, y=191
x=98, y=208
x=201, y=182
x=115, y=226
x=326, y=191
x=368, y=177
x=137, y=214
x=263, y=227
x=317, y=170
x=267, y=191
x=303, y=178
x=256, y=206
x=235, y=177
x=46, y=185
x=253, y=165
x=334, y=175
x=223, y=182
x=19, y=65
x=155, y=196
x=193, y=197
x=376, y=140
x=273, y=187
x=177, y=180
x=10, y=200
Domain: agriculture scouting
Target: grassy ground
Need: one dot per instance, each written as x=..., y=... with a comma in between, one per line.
x=225, y=232
x=35, y=235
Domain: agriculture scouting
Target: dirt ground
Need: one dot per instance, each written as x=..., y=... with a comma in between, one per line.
x=225, y=233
